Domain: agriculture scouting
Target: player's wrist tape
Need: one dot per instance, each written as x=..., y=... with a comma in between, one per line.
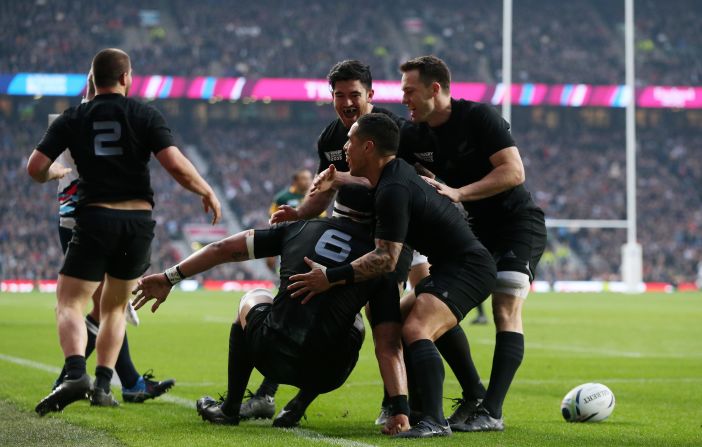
x=343, y=272
x=174, y=275
x=399, y=405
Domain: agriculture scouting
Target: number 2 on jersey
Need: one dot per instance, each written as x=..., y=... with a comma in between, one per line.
x=334, y=245
x=114, y=134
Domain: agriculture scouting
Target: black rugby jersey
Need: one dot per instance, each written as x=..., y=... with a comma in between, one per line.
x=459, y=152
x=330, y=148
x=318, y=324
x=408, y=209
x=111, y=139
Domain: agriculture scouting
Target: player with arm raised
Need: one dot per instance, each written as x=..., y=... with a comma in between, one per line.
x=111, y=139
x=407, y=209
x=313, y=345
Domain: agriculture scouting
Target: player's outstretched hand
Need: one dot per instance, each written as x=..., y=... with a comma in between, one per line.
x=311, y=283
x=284, y=213
x=444, y=190
x=396, y=424
x=211, y=202
x=324, y=181
x=151, y=287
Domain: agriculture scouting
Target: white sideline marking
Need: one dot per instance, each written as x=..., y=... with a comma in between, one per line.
x=188, y=403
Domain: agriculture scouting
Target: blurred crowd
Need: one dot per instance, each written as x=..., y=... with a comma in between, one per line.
x=553, y=41
x=573, y=172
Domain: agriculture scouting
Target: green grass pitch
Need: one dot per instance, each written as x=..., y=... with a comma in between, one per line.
x=646, y=348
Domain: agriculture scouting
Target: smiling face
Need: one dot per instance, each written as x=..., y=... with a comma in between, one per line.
x=351, y=101
x=418, y=98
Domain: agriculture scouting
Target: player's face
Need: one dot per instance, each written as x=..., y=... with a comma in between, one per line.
x=418, y=98
x=303, y=181
x=354, y=149
x=351, y=101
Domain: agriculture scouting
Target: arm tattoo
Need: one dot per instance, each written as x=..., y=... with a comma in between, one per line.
x=381, y=260
x=240, y=255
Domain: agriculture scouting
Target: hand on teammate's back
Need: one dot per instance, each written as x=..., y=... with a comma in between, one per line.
x=311, y=283
x=444, y=189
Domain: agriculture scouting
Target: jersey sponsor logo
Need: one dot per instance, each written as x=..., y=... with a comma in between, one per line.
x=425, y=156
x=335, y=155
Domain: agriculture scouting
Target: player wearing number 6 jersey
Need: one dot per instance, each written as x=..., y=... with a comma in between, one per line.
x=312, y=345
x=111, y=139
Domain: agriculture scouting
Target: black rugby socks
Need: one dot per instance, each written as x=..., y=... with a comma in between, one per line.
x=239, y=371
x=509, y=352
x=429, y=376
x=103, y=376
x=454, y=348
x=74, y=367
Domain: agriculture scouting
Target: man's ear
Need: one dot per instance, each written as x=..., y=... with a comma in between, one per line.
x=369, y=146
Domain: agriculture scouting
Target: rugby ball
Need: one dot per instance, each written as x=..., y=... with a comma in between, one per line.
x=589, y=402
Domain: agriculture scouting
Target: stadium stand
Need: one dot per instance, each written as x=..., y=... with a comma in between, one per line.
x=574, y=172
x=552, y=40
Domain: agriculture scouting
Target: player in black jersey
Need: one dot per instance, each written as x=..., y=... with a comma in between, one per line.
x=351, y=86
x=407, y=209
x=111, y=139
x=312, y=345
x=468, y=145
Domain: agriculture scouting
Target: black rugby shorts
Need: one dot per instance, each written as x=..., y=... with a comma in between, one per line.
x=116, y=242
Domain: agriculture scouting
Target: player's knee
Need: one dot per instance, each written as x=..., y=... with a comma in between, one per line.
x=413, y=331
x=252, y=298
x=515, y=284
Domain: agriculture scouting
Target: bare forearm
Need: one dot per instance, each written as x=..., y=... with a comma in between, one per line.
x=345, y=178
x=231, y=249
x=502, y=178
x=187, y=176
x=313, y=205
x=381, y=260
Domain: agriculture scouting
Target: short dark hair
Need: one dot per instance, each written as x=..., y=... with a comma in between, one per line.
x=382, y=130
x=299, y=172
x=108, y=66
x=431, y=69
x=350, y=70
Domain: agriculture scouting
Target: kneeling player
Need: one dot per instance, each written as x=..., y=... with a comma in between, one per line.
x=314, y=345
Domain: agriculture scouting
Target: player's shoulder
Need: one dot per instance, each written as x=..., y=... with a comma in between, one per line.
x=472, y=110
x=396, y=172
x=330, y=133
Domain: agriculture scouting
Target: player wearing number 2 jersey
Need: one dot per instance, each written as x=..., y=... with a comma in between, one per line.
x=111, y=139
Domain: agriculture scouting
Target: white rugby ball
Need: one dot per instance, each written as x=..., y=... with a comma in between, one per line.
x=589, y=402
